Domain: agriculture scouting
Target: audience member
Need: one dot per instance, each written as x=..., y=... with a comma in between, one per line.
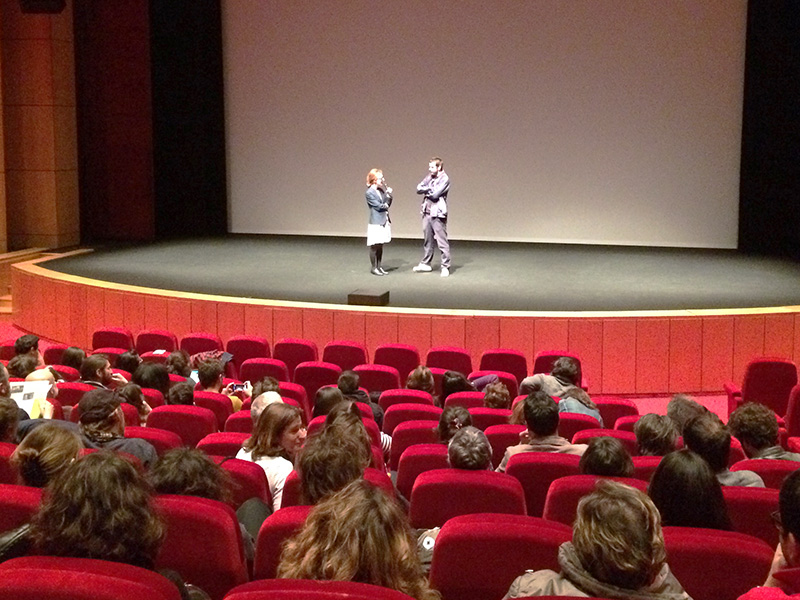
x=348, y=383
x=495, y=395
x=566, y=373
x=153, y=376
x=179, y=363
x=326, y=398
x=682, y=409
x=756, y=427
x=5, y=384
x=541, y=418
x=707, y=437
x=469, y=449
x=345, y=420
x=277, y=437
x=328, y=463
x=421, y=379
x=96, y=371
x=181, y=394
x=9, y=420
x=261, y=402
x=28, y=345
x=451, y=420
x=358, y=534
x=687, y=494
x=452, y=382
x=656, y=435
x=517, y=413
x=22, y=365
x=211, y=374
x=45, y=453
x=575, y=400
x=48, y=375
x=617, y=551
x=132, y=394
x=607, y=457
x=785, y=571
x=266, y=384
x=129, y=361
x=103, y=425
x=73, y=357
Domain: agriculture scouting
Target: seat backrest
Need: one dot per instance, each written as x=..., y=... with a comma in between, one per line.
x=409, y=433
x=570, y=423
x=403, y=357
x=545, y=359
x=645, y=466
x=442, y=494
x=112, y=337
x=313, y=375
x=217, y=403
x=792, y=418
x=417, y=459
x=536, y=471
x=150, y=340
x=67, y=578
x=200, y=341
x=248, y=480
x=154, y=397
x=130, y=412
x=399, y=413
x=53, y=353
x=255, y=369
x=769, y=381
x=191, y=423
x=70, y=393
x=8, y=473
x=465, y=399
x=626, y=423
x=161, y=439
x=564, y=494
x=242, y=347
x=695, y=556
x=486, y=417
x=67, y=373
x=203, y=543
x=612, y=409
x=223, y=443
x=628, y=439
x=772, y=471
x=278, y=527
x=345, y=353
x=377, y=378
x=18, y=504
x=750, y=510
x=240, y=421
x=403, y=396
x=478, y=556
x=505, y=378
x=293, y=351
x=450, y=358
x=306, y=589
x=505, y=359
x=502, y=437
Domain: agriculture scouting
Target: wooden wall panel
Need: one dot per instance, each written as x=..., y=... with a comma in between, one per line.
x=483, y=333
x=779, y=335
x=586, y=340
x=619, y=356
x=113, y=309
x=652, y=356
x=59, y=317
x=350, y=325
x=381, y=328
x=287, y=323
x=415, y=330
x=78, y=331
x=156, y=314
x=748, y=342
x=517, y=333
x=95, y=313
x=717, y=352
x=230, y=320
x=258, y=321
x=204, y=317
x=685, y=355
x=179, y=317
x=449, y=331
x=318, y=326
x=133, y=306
x=550, y=334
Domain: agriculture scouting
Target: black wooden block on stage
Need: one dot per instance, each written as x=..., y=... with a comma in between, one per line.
x=368, y=297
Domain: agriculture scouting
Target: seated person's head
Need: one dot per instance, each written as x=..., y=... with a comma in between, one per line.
x=5, y=385
x=682, y=409
x=607, y=457
x=73, y=357
x=261, y=402
x=517, y=413
x=180, y=394
x=541, y=414
x=266, y=384
x=421, y=378
x=179, y=363
x=129, y=361
x=327, y=397
x=279, y=431
x=348, y=382
x=451, y=420
x=755, y=426
x=110, y=512
x=495, y=395
x=97, y=368
x=707, y=437
x=46, y=374
x=328, y=463
x=687, y=493
x=190, y=472
x=152, y=375
x=789, y=529
x=617, y=536
x=567, y=370
x=210, y=373
x=452, y=382
x=656, y=435
x=27, y=344
x=22, y=365
x=470, y=449
x=345, y=420
x=9, y=419
x=101, y=417
x=132, y=394
x=44, y=453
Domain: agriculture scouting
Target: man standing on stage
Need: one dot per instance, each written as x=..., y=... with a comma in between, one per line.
x=434, y=216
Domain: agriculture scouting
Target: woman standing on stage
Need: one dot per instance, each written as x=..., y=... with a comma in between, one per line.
x=379, y=230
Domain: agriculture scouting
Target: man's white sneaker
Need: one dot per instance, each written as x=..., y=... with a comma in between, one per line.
x=445, y=272
x=422, y=268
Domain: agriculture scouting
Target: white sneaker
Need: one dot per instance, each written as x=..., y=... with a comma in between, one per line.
x=422, y=268
x=445, y=272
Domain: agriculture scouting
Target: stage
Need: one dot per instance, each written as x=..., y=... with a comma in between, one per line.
x=484, y=276
x=645, y=321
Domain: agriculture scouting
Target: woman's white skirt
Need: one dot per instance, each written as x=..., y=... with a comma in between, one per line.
x=379, y=234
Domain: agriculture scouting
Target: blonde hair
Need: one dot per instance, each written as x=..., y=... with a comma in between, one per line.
x=372, y=176
x=617, y=536
x=358, y=534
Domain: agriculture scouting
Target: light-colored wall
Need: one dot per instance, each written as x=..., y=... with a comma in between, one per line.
x=40, y=162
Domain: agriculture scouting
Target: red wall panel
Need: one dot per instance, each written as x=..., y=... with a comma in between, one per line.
x=415, y=330
x=717, y=352
x=779, y=335
x=179, y=317
x=230, y=320
x=113, y=308
x=78, y=332
x=258, y=321
x=619, y=356
x=95, y=313
x=652, y=356
x=517, y=333
x=350, y=325
x=318, y=326
x=287, y=322
x=133, y=306
x=685, y=355
x=586, y=340
x=550, y=334
x=155, y=313
x=482, y=333
x=381, y=328
x=449, y=331
x=748, y=342
x=204, y=317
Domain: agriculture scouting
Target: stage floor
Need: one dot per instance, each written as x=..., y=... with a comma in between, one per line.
x=484, y=275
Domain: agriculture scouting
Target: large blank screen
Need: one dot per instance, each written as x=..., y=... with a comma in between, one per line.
x=577, y=121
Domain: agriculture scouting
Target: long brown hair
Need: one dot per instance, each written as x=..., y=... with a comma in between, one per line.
x=44, y=453
x=358, y=534
x=271, y=424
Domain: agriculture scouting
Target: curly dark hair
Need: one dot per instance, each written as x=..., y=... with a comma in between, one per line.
x=190, y=472
x=99, y=507
x=754, y=425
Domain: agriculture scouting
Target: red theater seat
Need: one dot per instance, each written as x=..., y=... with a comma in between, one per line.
x=536, y=471
x=505, y=359
x=403, y=357
x=450, y=358
x=304, y=589
x=293, y=351
x=112, y=337
x=345, y=353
